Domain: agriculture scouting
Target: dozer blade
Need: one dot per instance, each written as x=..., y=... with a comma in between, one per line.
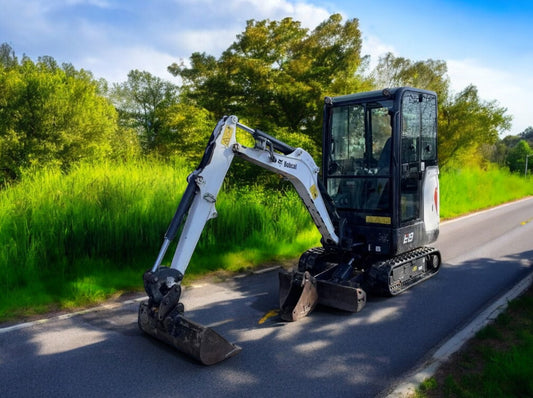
x=342, y=297
x=297, y=295
x=300, y=292
x=199, y=342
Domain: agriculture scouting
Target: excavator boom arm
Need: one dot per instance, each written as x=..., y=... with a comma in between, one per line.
x=199, y=199
x=162, y=315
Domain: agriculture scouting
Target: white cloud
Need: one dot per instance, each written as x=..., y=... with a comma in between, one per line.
x=112, y=37
x=212, y=41
x=115, y=63
x=375, y=47
x=211, y=26
x=232, y=12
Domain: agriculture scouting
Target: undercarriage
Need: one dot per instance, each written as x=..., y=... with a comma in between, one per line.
x=328, y=278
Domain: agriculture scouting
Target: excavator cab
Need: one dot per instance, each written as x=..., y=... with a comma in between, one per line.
x=380, y=175
x=380, y=168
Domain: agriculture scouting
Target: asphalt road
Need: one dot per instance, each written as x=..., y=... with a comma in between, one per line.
x=330, y=353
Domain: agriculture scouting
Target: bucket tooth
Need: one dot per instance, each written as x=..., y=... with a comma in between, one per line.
x=197, y=341
x=298, y=295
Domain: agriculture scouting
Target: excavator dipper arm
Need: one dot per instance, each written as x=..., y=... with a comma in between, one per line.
x=162, y=315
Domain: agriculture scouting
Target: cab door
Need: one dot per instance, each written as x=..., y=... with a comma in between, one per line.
x=418, y=157
x=410, y=165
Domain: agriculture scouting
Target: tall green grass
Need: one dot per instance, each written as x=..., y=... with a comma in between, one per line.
x=75, y=238
x=254, y=226
x=65, y=236
x=469, y=189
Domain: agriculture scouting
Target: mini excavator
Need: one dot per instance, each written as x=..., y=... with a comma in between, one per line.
x=375, y=203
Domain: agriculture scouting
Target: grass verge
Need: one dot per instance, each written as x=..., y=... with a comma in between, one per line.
x=463, y=191
x=70, y=240
x=498, y=362
x=74, y=239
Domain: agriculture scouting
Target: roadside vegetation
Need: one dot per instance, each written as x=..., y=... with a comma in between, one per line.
x=91, y=172
x=77, y=238
x=497, y=362
x=467, y=189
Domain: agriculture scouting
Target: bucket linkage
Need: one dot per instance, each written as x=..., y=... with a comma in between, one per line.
x=162, y=317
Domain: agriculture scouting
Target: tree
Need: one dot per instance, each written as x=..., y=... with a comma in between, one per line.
x=527, y=135
x=8, y=58
x=466, y=122
x=140, y=101
x=393, y=71
x=276, y=74
x=510, y=141
x=50, y=115
x=185, y=131
x=516, y=158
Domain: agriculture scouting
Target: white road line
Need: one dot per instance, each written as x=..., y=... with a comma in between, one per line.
x=69, y=315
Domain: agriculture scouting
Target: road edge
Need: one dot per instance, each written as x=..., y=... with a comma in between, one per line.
x=115, y=304
x=408, y=386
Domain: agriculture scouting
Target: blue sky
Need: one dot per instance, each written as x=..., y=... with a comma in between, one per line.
x=486, y=43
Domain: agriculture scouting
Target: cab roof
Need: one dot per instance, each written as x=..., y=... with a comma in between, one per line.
x=387, y=93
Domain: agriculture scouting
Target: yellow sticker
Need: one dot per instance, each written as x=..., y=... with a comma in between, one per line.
x=226, y=136
x=378, y=220
x=314, y=191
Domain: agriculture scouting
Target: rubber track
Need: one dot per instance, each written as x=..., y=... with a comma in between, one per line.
x=379, y=274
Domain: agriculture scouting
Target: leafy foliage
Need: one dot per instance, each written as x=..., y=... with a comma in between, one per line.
x=50, y=115
x=466, y=122
x=393, y=71
x=516, y=158
x=511, y=151
x=185, y=131
x=276, y=73
x=527, y=135
x=141, y=101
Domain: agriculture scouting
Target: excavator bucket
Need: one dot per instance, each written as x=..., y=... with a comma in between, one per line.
x=199, y=342
x=297, y=294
